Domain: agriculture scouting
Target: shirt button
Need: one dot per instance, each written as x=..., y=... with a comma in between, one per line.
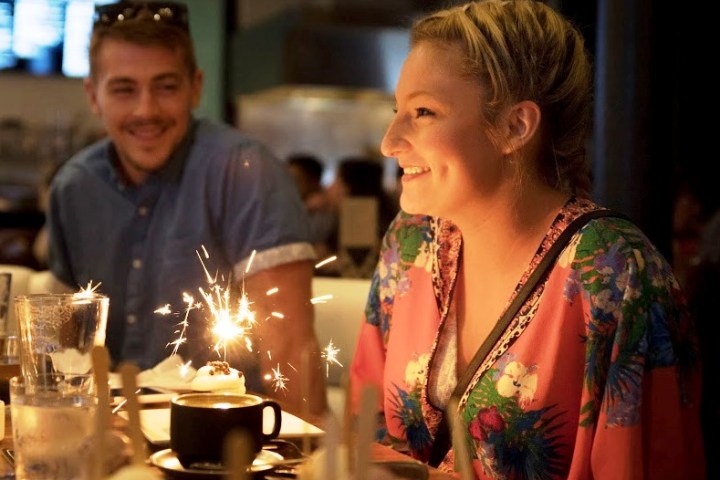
x=143, y=211
x=132, y=319
x=137, y=263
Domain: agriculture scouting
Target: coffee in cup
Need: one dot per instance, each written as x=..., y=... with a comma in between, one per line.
x=199, y=423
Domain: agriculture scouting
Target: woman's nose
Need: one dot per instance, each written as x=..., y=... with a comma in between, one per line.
x=392, y=142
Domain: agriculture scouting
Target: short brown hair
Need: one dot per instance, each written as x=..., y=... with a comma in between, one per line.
x=143, y=30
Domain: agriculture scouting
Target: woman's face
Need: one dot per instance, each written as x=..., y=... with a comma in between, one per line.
x=439, y=136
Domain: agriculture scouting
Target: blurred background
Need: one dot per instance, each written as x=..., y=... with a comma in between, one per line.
x=316, y=77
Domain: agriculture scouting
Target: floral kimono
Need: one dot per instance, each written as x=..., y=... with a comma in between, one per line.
x=596, y=377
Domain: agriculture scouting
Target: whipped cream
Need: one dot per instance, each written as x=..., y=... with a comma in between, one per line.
x=218, y=377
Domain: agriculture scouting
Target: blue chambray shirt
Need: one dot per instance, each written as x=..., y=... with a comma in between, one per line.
x=220, y=190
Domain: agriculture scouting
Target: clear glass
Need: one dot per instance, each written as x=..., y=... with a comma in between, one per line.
x=58, y=331
x=53, y=420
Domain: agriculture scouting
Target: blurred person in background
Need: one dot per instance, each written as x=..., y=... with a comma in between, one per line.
x=596, y=374
x=362, y=176
x=307, y=171
x=134, y=212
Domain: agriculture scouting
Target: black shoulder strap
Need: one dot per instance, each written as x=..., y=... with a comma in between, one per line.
x=441, y=444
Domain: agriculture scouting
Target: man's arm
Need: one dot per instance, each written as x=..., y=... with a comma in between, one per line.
x=288, y=338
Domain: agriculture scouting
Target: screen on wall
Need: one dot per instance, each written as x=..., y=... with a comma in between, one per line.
x=46, y=37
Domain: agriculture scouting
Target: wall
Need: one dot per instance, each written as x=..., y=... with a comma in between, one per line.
x=42, y=100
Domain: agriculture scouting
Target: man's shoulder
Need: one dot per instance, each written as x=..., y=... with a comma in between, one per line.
x=90, y=159
x=213, y=134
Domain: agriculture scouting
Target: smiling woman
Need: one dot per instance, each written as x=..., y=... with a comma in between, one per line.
x=500, y=263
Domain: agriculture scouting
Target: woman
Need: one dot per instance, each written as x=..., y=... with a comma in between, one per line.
x=596, y=376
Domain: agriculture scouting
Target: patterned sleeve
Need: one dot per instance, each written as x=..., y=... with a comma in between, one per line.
x=642, y=367
x=368, y=364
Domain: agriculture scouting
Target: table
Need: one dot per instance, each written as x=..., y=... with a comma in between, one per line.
x=378, y=452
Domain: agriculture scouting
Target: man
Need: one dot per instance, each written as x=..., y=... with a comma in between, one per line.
x=138, y=211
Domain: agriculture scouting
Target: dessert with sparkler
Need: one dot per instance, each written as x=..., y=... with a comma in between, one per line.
x=218, y=376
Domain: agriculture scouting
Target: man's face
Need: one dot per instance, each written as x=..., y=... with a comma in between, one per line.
x=144, y=95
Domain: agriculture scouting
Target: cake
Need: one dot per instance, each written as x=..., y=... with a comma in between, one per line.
x=218, y=376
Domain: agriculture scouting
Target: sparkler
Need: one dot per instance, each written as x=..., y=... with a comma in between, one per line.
x=330, y=354
x=234, y=322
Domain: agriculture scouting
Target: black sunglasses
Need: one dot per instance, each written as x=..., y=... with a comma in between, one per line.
x=172, y=13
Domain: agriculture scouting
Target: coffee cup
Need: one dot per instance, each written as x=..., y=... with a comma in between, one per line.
x=199, y=423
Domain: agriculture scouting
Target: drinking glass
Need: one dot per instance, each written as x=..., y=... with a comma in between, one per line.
x=53, y=420
x=58, y=331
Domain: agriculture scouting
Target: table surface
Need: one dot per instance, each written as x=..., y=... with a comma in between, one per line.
x=379, y=452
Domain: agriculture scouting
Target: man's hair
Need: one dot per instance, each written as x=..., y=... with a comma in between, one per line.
x=144, y=31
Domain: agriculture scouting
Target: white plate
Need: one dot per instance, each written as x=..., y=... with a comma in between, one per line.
x=155, y=424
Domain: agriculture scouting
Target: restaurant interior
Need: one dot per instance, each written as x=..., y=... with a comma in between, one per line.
x=317, y=76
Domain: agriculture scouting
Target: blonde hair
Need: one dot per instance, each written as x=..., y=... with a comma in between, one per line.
x=524, y=50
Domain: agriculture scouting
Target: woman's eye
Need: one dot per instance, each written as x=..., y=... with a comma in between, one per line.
x=422, y=112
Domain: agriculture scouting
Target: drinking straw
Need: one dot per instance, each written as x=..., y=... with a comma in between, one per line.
x=237, y=452
x=331, y=446
x=459, y=441
x=129, y=372
x=348, y=422
x=101, y=366
x=305, y=385
x=366, y=430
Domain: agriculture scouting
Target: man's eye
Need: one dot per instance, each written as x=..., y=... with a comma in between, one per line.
x=422, y=112
x=169, y=87
x=121, y=90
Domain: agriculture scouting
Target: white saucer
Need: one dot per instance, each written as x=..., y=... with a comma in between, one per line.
x=167, y=461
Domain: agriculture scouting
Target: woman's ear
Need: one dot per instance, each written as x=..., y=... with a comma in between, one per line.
x=521, y=124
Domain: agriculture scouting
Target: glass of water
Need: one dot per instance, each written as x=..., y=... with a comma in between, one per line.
x=53, y=423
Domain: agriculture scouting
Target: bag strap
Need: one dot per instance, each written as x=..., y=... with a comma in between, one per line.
x=441, y=444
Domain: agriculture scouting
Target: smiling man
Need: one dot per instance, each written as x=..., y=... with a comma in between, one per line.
x=136, y=211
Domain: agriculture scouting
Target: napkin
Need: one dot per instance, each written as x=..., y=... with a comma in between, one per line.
x=170, y=374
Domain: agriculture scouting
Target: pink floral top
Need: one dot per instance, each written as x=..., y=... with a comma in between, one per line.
x=596, y=377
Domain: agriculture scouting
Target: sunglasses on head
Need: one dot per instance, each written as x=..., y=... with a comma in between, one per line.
x=172, y=13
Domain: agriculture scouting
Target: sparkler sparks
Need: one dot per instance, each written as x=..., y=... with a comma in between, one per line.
x=279, y=381
x=321, y=298
x=330, y=354
x=87, y=292
x=228, y=324
x=232, y=320
x=322, y=263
